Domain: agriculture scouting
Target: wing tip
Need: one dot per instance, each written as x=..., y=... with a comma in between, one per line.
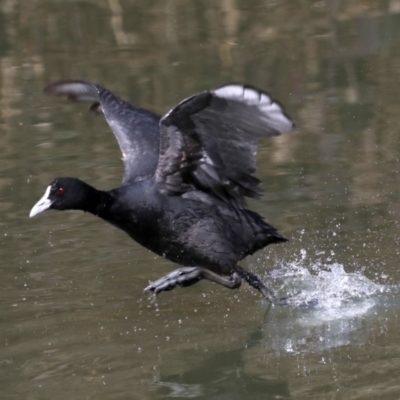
x=261, y=99
x=74, y=90
x=70, y=86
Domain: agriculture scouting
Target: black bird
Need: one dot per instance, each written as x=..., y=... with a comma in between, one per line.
x=186, y=176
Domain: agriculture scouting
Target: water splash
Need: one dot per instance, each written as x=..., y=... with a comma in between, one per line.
x=344, y=306
x=337, y=293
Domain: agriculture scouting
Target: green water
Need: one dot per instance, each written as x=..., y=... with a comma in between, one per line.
x=74, y=322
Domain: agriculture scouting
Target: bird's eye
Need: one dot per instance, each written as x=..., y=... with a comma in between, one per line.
x=60, y=190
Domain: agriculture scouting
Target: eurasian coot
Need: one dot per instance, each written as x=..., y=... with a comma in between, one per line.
x=186, y=176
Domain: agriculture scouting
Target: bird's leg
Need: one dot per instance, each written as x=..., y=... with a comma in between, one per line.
x=187, y=276
x=254, y=281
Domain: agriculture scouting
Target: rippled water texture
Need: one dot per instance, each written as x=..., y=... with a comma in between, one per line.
x=74, y=321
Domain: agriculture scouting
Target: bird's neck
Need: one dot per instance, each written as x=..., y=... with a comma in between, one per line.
x=97, y=202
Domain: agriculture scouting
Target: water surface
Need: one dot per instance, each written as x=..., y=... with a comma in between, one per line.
x=74, y=322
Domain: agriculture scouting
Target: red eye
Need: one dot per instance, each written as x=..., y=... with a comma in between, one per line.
x=60, y=190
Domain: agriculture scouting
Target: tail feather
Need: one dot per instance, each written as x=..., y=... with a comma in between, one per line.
x=261, y=232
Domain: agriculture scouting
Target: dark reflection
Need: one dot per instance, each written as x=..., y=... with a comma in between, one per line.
x=290, y=340
x=223, y=375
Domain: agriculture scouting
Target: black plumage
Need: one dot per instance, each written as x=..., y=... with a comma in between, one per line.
x=186, y=176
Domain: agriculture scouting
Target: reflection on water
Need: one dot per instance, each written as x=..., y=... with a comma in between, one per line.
x=223, y=374
x=352, y=312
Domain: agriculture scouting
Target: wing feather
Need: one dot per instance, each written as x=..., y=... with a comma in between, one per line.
x=136, y=130
x=209, y=142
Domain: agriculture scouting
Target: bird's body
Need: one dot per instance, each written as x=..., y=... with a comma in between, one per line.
x=185, y=178
x=190, y=230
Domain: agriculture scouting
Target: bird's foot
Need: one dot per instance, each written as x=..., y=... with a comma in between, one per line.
x=184, y=276
x=187, y=276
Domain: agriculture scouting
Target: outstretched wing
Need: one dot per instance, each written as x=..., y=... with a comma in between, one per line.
x=136, y=130
x=209, y=142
